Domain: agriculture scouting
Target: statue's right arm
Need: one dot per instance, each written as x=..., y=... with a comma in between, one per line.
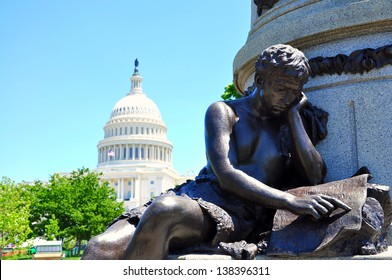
x=222, y=156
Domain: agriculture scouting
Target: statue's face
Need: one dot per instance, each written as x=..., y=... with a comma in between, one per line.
x=280, y=93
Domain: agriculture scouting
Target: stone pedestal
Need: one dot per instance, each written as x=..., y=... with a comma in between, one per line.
x=360, y=120
x=387, y=255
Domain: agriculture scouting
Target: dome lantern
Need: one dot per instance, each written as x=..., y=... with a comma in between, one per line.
x=136, y=80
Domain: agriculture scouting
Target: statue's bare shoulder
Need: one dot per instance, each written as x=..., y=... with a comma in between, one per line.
x=220, y=116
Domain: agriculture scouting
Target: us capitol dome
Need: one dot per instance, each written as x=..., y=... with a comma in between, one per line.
x=135, y=155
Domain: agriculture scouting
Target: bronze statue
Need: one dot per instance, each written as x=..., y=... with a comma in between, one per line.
x=257, y=148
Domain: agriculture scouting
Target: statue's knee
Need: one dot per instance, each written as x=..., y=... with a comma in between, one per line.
x=92, y=249
x=102, y=242
x=164, y=207
x=93, y=244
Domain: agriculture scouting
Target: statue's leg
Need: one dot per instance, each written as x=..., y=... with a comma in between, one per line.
x=170, y=221
x=111, y=244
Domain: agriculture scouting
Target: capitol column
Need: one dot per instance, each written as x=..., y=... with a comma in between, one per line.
x=122, y=189
x=137, y=188
x=126, y=151
x=118, y=189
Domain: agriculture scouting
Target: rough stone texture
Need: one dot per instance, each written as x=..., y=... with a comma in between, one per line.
x=387, y=255
x=360, y=127
x=389, y=235
x=199, y=257
x=360, y=124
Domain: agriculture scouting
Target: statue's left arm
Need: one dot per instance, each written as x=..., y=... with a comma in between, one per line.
x=308, y=162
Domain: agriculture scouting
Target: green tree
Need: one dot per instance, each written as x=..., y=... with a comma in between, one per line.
x=230, y=93
x=96, y=205
x=14, y=213
x=43, y=221
x=52, y=228
x=77, y=206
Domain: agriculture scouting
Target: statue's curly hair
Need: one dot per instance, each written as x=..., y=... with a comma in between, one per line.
x=283, y=60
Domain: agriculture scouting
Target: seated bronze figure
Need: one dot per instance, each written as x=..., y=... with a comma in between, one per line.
x=258, y=147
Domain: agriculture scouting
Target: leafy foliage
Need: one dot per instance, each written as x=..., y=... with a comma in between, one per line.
x=77, y=206
x=230, y=93
x=14, y=213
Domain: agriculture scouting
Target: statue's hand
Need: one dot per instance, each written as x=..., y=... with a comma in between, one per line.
x=317, y=206
x=299, y=104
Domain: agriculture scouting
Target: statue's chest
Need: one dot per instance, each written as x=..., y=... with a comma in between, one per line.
x=257, y=141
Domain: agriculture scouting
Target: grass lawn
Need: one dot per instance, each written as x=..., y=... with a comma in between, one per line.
x=71, y=258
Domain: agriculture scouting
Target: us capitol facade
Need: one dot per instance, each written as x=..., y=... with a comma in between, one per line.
x=135, y=156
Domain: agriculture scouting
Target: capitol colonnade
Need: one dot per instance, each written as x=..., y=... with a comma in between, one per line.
x=135, y=152
x=134, y=187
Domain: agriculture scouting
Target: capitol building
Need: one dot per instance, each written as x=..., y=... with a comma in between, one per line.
x=135, y=156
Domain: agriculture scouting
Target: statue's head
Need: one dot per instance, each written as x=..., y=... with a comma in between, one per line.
x=282, y=61
x=281, y=72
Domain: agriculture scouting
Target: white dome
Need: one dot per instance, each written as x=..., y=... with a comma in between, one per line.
x=135, y=156
x=136, y=105
x=135, y=133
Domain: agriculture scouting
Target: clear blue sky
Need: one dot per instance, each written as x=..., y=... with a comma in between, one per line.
x=64, y=65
